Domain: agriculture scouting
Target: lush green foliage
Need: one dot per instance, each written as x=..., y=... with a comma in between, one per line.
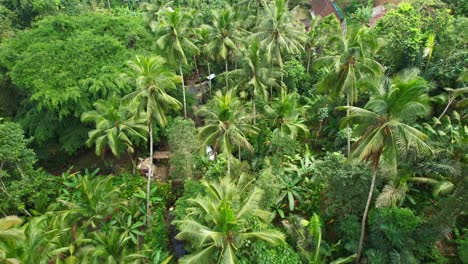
x=263, y=87
x=63, y=65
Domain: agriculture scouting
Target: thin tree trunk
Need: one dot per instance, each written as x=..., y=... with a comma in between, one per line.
x=196, y=68
x=3, y=187
x=281, y=72
x=271, y=87
x=150, y=176
x=108, y=4
x=254, y=109
x=229, y=164
x=18, y=167
x=133, y=162
x=209, y=77
x=364, y=217
x=308, y=60
x=183, y=90
x=227, y=82
x=450, y=101
x=348, y=134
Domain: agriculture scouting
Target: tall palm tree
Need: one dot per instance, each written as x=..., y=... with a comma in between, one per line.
x=174, y=38
x=223, y=36
x=351, y=61
x=384, y=125
x=115, y=127
x=311, y=41
x=226, y=125
x=287, y=114
x=218, y=223
x=254, y=75
x=151, y=79
x=279, y=32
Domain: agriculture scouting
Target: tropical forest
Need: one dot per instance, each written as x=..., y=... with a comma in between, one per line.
x=233, y=131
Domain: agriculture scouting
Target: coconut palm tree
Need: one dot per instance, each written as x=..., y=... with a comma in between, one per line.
x=174, y=38
x=223, y=36
x=254, y=75
x=279, y=32
x=287, y=115
x=93, y=201
x=152, y=80
x=218, y=223
x=226, y=125
x=115, y=127
x=350, y=62
x=385, y=125
x=111, y=247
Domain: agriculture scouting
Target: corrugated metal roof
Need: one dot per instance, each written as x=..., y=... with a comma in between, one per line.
x=323, y=8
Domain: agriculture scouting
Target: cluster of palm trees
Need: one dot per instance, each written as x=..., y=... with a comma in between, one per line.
x=178, y=37
x=257, y=52
x=89, y=223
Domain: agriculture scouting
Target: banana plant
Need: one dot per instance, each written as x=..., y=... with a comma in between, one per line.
x=10, y=232
x=309, y=243
x=292, y=189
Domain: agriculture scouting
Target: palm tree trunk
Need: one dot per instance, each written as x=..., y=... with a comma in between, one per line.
x=227, y=82
x=183, y=89
x=364, y=217
x=209, y=77
x=348, y=135
x=198, y=76
x=229, y=164
x=254, y=109
x=150, y=176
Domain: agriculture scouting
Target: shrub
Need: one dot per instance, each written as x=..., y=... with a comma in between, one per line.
x=261, y=252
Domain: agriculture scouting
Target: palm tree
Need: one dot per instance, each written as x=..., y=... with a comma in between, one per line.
x=112, y=247
x=95, y=200
x=287, y=114
x=254, y=75
x=223, y=36
x=350, y=62
x=226, y=125
x=218, y=223
x=384, y=125
x=151, y=80
x=280, y=32
x=115, y=127
x=174, y=34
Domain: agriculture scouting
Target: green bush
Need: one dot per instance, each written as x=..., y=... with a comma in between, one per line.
x=129, y=184
x=393, y=234
x=348, y=184
x=260, y=252
x=181, y=135
x=192, y=188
